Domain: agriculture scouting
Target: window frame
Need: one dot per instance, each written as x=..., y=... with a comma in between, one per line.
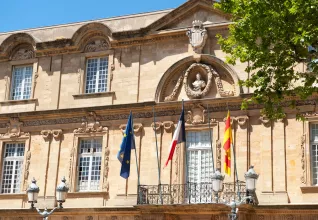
x=15, y=159
x=107, y=81
x=311, y=143
x=90, y=156
x=74, y=161
x=24, y=67
x=26, y=161
x=18, y=63
x=83, y=70
x=199, y=150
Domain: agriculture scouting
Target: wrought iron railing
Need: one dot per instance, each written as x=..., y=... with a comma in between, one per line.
x=189, y=193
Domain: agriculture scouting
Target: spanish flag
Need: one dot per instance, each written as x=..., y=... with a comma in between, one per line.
x=227, y=142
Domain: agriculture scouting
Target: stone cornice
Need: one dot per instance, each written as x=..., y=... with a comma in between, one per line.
x=140, y=111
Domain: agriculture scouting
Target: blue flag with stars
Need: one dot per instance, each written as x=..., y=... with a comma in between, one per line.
x=125, y=148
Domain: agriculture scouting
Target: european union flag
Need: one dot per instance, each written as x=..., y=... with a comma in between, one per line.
x=125, y=148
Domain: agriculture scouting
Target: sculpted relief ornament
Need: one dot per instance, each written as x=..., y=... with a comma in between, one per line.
x=197, y=36
x=90, y=124
x=14, y=129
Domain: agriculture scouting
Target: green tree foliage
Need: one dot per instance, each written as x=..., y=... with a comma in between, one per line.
x=273, y=36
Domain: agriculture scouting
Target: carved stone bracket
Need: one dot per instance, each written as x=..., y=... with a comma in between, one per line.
x=156, y=126
x=14, y=129
x=196, y=115
x=264, y=120
x=168, y=126
x=232, y=119
x=137, y=128
x=241, y=120
x=303, y=177
x=48, y=134
x=91, y=124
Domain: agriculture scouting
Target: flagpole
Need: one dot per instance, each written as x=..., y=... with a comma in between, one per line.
x=211, y=139
x=235, y=168
x=159, y=173
x=187, y=163
x=137, y=167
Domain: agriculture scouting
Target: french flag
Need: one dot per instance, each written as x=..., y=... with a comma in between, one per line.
x=178, y=137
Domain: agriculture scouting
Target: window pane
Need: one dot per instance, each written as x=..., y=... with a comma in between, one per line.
x=12, y=167
x=89, y=164
x=96, y=75
x=199, y=157
x=21, y=83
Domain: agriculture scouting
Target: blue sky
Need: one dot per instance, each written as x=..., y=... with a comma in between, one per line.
x=23, y=14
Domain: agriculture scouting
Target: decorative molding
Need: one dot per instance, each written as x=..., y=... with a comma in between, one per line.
x=105, y=186
x=175, y=91
x=70, y=166
x=168, y=126
x=26, y=170
x=218, y=154
x=158, y=125
x=197, y=36
x=196, y=115
x=96, y=45
x=91, y=124
x=303, y=177
x=232, y=119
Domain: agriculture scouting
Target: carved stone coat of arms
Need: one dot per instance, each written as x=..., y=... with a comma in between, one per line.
x=197, y=36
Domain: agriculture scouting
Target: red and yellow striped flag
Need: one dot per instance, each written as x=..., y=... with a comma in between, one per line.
x=227, y=142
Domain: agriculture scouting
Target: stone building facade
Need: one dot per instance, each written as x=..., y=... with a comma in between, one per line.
x=65, y=95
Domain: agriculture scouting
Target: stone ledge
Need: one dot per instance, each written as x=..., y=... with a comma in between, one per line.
x=17, y=102
x=309, y=189
x=12, y=196
x=86, y=194
x=88, y=95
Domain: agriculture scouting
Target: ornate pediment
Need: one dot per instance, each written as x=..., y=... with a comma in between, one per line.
x=91, y=124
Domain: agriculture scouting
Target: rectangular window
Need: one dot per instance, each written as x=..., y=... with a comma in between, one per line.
x=12, y=167
x=21, y=82
x=314, y=152
x=96, y=75
x=199, y=157
x=89, y=164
